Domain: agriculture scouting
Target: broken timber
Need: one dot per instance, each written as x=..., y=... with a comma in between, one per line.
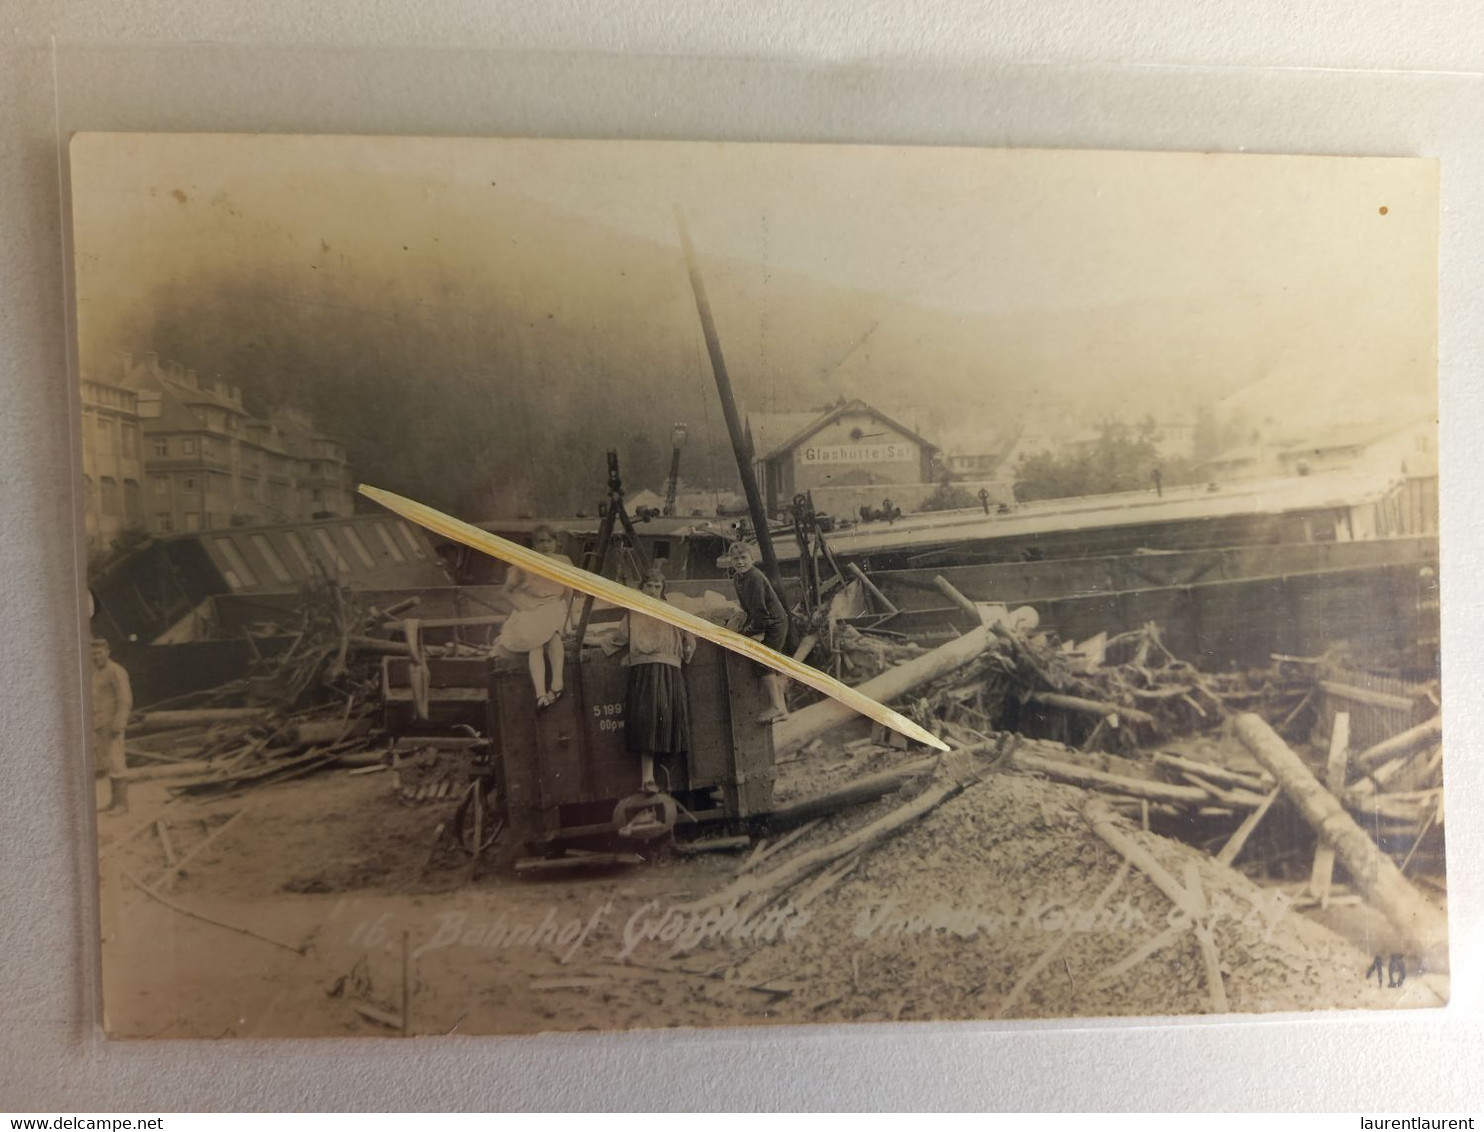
x=817, y=719
x=1424, y=926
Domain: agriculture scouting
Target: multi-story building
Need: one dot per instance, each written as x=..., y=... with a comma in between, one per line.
x=112, y=465
x=325, y=486
x=208, y=463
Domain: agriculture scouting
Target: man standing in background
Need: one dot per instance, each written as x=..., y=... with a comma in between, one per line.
x=113, y=700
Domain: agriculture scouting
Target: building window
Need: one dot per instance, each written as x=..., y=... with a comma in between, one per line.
x=133, y=504
x=317, y=496
x=164, y=524
x=411, y=540
x=389, y=543
x=269, y=555
x=162, y=448
x=160, y=484
x=190, y=483
x=193, y=520
x=353, y=537
x=110, y=495
x=131, y=441
x=239, y=574
x=301, y=552
x=331, y=551
x=188, y=446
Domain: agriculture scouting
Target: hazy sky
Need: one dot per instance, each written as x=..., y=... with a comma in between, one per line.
x=1139, y=263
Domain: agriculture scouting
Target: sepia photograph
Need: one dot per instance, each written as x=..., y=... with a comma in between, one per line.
x=1115, y=472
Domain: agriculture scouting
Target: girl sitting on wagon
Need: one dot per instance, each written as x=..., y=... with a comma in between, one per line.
x=541, y=609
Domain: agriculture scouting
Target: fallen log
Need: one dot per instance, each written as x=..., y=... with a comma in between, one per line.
x=1223, y=796
x=764, y=850
x=766, y=885
x=1213, y=773
x=1116, y=783
x=817, y=719
x=189, y=768
x=1424, y=926
x=1412, y=739
x=314, y=731
x=872, y=589
x=1367, y=696
x=1091, y=707
x=946, y=588
x=856, y=793
x=1379, y=780
x=193, y=717
x=713, y=845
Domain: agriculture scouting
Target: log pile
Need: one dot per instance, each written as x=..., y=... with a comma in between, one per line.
x=1117, y=695
x=219, y=750
x=307, y=706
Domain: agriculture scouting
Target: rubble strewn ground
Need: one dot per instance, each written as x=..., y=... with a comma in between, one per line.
x=275, y=876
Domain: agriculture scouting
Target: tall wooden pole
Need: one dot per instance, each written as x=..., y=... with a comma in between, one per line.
x=729, y=409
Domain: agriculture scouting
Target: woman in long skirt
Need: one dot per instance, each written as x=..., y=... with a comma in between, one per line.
x=656, y=714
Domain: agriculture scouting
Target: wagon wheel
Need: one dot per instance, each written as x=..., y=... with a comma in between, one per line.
x=476, y=824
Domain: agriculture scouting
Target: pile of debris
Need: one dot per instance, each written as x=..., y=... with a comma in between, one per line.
x=975, y=890
x=215, y=750
x=1119, y=695
x=309, y=705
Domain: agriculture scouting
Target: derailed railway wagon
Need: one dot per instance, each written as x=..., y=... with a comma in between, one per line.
x=559, y=777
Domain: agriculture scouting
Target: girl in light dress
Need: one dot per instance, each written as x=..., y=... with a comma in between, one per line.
x=539, y=618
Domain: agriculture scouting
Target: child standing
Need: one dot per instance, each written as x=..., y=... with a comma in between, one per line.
x=763, y=618
x=656, y=714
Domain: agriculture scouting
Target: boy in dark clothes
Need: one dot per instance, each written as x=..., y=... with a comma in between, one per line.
x=764, y=619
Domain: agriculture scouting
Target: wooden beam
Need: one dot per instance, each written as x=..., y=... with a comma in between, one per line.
x=740, y=448
x=1091, y=707
x=871, y=588
x=817, y=719
x=1334, y=777
x=1412, y=739
x=1116, y=783
x=1423, y=925
x=1238, y=842
x=948, y=590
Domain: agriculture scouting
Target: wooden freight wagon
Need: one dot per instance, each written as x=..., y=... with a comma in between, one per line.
x=560, y=776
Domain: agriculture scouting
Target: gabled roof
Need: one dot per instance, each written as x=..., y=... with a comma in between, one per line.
x=816, y=421
x=770, y=430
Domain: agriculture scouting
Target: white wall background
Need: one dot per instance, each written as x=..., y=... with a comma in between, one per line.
x=1369, y=76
